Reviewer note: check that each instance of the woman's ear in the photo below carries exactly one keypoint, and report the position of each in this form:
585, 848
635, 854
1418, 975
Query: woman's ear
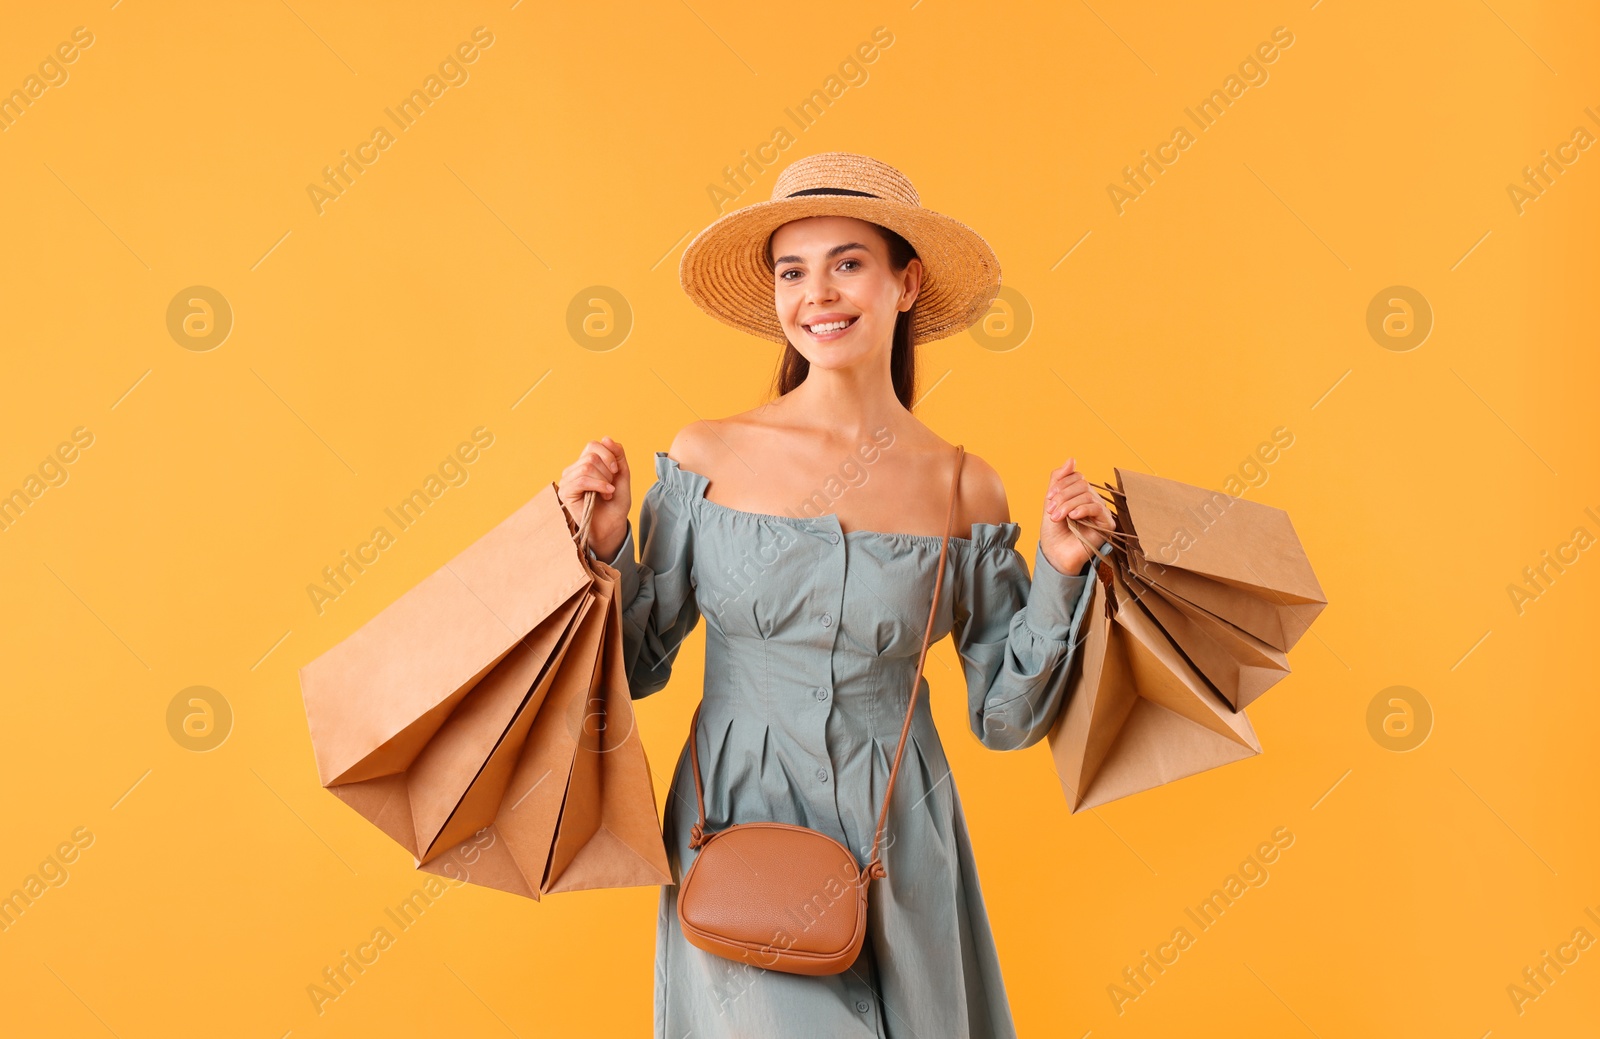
911, 283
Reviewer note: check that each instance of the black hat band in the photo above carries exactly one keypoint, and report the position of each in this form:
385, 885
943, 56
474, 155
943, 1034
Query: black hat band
830, 191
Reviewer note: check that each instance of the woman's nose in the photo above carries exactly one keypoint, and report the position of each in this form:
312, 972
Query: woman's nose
820, 289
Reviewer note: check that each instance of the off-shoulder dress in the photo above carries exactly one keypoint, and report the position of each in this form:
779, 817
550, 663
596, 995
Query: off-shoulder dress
812, 637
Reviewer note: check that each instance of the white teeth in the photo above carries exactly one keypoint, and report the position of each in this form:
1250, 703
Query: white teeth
831, 326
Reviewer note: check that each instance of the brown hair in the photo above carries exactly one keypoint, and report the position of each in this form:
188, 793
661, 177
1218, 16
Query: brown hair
793, 366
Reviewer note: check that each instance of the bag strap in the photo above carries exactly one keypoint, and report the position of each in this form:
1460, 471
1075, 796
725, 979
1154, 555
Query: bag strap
874, 867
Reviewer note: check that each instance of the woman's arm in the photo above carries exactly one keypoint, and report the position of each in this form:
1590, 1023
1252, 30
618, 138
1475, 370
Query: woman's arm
656, 592
1017, 639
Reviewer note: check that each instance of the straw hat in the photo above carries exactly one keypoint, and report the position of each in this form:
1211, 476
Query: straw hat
724, 270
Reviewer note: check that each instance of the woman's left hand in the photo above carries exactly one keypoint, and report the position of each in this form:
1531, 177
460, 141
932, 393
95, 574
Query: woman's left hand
1069, 496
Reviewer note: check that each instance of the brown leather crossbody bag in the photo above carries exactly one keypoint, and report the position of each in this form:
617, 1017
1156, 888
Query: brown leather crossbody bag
787, 897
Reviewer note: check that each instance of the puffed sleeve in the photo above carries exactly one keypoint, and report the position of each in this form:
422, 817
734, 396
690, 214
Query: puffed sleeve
657, 591
1016, 638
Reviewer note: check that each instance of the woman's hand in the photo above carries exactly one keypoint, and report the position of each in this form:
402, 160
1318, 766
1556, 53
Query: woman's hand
602, 467
1069, 496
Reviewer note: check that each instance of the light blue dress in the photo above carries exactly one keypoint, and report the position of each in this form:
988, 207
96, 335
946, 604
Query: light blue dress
812, 637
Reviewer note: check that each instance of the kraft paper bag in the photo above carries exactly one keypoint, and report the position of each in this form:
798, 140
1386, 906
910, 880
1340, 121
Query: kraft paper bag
1237, 560
1237, 664
483, 719
1137, 714
1173, 650
605, 841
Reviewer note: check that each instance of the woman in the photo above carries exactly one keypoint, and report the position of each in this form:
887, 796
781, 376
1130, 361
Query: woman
816, 592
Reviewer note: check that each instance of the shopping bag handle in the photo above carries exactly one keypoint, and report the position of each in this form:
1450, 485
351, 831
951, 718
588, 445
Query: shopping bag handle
1118, 538
581, 537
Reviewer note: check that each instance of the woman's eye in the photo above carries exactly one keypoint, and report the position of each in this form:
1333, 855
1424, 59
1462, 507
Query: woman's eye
843, 262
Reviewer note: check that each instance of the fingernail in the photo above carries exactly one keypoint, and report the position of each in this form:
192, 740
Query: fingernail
610, 487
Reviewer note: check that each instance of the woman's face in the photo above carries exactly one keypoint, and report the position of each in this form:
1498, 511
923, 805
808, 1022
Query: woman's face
830, 270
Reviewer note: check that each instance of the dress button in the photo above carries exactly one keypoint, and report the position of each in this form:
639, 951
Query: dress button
863, 1006
822, 694
833, 537
822, 775
827, 619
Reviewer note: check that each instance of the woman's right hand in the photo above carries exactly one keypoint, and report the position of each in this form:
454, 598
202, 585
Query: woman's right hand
603, 468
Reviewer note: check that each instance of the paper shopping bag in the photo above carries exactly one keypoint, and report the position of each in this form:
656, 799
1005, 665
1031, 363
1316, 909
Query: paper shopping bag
1239, 666
483, 719
571, 814
1238, 560
1137, 715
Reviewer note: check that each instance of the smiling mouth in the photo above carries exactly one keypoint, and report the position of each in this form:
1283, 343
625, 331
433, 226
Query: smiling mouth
829, 327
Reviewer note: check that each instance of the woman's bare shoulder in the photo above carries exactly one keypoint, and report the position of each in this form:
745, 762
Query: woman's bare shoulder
983, 493
697, 446
707, 447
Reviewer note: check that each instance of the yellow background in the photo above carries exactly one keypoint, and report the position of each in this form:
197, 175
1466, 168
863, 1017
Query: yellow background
369, 339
